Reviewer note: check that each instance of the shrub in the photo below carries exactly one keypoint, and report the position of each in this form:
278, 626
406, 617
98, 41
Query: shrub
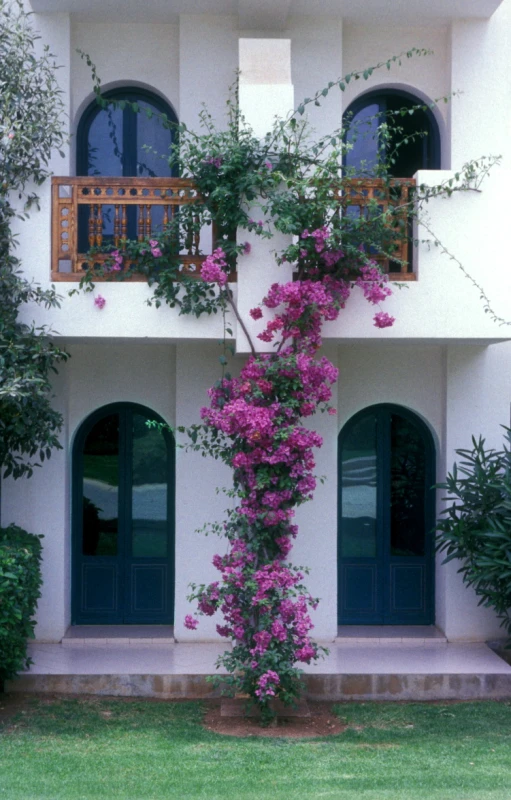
477, 524
20, 581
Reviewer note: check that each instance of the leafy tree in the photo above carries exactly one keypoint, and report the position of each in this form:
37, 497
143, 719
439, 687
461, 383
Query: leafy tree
30, 129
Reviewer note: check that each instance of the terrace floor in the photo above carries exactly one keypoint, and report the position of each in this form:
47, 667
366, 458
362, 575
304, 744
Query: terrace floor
422, 666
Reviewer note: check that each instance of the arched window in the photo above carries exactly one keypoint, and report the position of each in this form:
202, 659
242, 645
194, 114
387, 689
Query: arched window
113, 141
119, 141
419, 135
386, 519
123, 519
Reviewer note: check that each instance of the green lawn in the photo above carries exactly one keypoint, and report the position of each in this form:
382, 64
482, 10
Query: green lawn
106, 748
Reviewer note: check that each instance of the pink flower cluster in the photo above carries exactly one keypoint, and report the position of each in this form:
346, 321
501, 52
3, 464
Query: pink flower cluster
215, 161
118, 259
267, 683
306, 306
330, 255
213, 268
374, 285
155, 248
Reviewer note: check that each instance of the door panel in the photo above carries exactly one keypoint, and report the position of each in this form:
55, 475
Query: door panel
386, 517
360, 596
407, 590
100, 589
123, 538
148, 589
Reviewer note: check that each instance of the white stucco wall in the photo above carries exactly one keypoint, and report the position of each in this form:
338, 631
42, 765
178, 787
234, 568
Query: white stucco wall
94, 376
458, 388
453, 390
426, 76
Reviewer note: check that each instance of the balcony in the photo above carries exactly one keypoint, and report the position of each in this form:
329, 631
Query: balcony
94, 212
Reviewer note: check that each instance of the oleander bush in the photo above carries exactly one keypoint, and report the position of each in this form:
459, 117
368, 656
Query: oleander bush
20, 582
476, 527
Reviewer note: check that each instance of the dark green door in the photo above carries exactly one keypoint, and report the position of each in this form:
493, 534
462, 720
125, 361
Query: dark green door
386, 519
123, 519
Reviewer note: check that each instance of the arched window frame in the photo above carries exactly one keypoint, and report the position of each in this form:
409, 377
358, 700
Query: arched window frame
431, 142
132, 94
82, 432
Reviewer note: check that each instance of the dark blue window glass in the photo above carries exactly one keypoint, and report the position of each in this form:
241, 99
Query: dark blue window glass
413, 142
117, 141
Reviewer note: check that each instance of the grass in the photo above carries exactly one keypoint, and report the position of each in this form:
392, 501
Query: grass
105, 748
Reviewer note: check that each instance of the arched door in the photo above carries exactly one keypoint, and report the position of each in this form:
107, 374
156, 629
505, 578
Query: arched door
123, 519
386, 519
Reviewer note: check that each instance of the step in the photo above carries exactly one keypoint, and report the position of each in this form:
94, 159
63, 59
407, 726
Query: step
118, 635
389, 634
358, 672
341, 687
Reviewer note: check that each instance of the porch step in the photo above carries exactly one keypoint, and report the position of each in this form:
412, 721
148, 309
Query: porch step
118, 635
389, 634
439, 672
341, 687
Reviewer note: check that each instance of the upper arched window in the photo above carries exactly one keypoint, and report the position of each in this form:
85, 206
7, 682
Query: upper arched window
416, 145
119, 141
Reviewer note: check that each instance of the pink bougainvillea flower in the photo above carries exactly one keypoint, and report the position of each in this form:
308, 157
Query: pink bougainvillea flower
118, 261
213, 268
247, 247
215, 161
190, 622
383, 320
99, 301
256, 313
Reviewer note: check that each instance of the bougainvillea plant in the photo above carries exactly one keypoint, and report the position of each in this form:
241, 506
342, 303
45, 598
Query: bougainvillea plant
254, 423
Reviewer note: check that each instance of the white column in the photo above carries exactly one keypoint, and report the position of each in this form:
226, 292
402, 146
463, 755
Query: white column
197, 479
481, 115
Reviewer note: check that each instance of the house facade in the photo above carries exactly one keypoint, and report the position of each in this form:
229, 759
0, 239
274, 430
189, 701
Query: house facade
120, 506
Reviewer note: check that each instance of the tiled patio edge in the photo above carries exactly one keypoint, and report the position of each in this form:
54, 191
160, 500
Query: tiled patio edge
318, 687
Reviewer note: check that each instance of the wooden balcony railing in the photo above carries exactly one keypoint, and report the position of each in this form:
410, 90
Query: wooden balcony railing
355, 197
90, 212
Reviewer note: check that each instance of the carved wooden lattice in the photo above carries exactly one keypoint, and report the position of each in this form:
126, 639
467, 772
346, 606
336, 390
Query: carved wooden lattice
125, 203
122, 198
357, 195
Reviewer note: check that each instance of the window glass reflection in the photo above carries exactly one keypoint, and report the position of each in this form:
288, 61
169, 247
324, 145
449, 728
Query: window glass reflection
359, 490
101, 488
149, 492
407, 489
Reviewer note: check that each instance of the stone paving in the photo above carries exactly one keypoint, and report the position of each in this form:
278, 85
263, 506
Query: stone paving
411, 669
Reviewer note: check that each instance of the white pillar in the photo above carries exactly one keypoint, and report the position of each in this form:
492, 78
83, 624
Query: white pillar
481, 115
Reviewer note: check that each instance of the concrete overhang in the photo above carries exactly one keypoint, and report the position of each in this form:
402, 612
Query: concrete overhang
273, 14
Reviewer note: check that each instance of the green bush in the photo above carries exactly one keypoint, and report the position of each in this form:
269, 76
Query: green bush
20, 581
477, 524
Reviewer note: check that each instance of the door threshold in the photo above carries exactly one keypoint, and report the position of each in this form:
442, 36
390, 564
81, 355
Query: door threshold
103, 635
390, 634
